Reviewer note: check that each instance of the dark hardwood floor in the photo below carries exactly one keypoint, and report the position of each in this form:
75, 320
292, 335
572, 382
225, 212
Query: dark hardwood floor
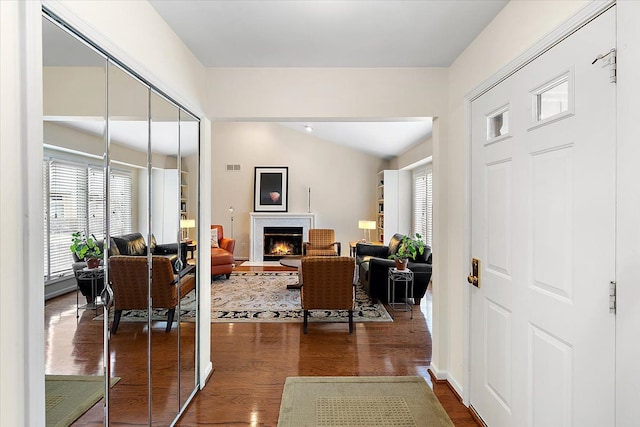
251, 362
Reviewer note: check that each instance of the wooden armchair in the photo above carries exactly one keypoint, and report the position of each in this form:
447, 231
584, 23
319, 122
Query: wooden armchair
129, 275
322, 242
328, 285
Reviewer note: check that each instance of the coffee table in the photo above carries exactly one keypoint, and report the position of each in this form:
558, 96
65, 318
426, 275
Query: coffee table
295, 262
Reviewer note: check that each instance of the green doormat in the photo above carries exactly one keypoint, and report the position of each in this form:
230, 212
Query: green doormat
360, 402
69, 396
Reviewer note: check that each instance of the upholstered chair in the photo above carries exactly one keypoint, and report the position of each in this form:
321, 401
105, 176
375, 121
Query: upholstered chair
322, 242
128, 276
328, 285
374, 263
221, 252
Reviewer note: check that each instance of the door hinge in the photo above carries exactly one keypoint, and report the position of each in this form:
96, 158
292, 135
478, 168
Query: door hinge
612, 297
611, 57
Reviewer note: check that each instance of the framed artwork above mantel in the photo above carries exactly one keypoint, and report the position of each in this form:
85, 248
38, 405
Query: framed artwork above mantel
271, 189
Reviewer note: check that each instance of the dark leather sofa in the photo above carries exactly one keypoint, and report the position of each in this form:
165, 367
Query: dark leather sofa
373, 267
131, 244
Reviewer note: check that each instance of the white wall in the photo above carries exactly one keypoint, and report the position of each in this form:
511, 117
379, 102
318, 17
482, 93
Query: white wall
21, 286
133, 32
628, 249
415, 154
241, 93
517, 27
342, 180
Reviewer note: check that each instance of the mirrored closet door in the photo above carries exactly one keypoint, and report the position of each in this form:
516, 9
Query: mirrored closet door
138, 153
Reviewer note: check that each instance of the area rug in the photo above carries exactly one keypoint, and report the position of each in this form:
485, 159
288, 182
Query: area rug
67, 397
263, 297
360, 402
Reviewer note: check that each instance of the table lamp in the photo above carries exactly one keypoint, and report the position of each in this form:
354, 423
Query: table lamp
366, 226
185, 224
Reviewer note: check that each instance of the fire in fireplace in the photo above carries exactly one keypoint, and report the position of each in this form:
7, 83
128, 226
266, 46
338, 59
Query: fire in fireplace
282, 241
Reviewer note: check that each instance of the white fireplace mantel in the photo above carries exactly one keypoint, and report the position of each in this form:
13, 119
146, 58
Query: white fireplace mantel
259, 220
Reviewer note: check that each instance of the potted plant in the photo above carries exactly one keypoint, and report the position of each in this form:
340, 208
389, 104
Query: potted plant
409, 249
86, 248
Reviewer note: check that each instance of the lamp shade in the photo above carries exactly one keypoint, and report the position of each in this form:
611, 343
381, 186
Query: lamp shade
366, 225
187, 223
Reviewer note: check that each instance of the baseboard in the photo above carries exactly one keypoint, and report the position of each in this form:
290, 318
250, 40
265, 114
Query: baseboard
436, 373
443, 377
208, 370
444, 381
476, 417
60, 287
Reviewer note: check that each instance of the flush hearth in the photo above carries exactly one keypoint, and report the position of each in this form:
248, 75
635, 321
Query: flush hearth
282, 241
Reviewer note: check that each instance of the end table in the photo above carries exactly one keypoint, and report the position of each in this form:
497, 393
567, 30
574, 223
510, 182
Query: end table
404, 277
93, 274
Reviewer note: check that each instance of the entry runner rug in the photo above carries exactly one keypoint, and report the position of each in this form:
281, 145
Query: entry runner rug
263, 297
67, 397
360, 402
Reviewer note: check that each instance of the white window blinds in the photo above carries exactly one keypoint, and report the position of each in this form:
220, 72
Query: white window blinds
423, 203
74, 201
121, 205
67, 212
96, 201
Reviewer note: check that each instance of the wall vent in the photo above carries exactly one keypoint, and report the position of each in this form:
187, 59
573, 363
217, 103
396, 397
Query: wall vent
233, 168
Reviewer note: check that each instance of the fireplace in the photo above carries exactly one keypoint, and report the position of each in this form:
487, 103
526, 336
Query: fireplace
260, 220
281, 241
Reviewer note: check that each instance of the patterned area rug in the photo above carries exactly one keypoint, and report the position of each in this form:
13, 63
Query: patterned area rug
263, 297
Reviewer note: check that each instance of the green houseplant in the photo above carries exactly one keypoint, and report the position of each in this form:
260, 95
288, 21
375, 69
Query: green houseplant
409, 248
86, 248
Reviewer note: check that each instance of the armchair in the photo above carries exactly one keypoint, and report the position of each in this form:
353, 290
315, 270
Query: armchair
129, 279
221, 253
131, 244
322, 242
373, 267
328, 285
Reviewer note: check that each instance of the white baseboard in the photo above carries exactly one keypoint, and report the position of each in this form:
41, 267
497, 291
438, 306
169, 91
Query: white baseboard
441, 375
205, 374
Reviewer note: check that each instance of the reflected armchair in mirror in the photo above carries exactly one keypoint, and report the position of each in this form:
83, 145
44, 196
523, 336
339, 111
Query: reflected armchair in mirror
128, 279
129, 244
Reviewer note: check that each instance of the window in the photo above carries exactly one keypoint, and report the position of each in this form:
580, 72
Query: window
423, 203
74, 200
498, 123
121, 203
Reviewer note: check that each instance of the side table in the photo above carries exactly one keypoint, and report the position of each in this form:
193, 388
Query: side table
93, 274
191, 248
404, 277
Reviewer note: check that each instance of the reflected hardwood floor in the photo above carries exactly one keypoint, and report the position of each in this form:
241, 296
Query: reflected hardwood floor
251, 362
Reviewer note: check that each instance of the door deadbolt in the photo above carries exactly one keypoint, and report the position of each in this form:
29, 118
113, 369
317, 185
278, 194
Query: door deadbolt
474, 277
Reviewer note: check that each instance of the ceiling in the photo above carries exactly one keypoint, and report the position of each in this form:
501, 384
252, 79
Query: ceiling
333, 33
381, 139
317, 33
327, 33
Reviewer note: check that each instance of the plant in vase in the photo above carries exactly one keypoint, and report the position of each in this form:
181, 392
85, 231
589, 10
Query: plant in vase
409, 248
86, 248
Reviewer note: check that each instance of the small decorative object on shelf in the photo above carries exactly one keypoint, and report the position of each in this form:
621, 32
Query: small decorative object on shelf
86, 248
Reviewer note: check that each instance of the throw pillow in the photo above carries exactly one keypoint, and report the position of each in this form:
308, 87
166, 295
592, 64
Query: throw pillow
214, 238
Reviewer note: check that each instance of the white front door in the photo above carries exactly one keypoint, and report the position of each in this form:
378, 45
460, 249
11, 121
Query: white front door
543, 227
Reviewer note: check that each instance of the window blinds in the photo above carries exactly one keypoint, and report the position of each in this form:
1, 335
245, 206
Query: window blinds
423, 203
73, 200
